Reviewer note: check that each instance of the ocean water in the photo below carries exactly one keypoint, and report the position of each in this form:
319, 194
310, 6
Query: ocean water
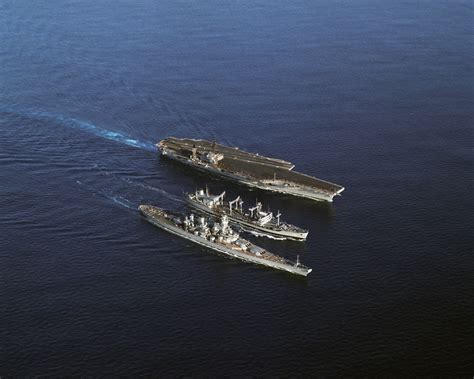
374, 95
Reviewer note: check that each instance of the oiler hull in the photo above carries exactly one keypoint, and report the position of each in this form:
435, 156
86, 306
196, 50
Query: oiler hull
250, 226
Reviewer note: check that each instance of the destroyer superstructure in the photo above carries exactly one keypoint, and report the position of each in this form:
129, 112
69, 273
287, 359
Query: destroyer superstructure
254, 219
219, 236
246, 168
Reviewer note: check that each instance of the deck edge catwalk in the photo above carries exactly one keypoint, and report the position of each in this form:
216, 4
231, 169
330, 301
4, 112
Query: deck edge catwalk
250, 169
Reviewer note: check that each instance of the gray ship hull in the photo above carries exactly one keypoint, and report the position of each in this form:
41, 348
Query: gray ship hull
248, 226
298, 270
266, 184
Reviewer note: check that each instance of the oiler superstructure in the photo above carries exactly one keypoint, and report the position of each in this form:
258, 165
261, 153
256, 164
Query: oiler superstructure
253, 219
250, 169
219, 236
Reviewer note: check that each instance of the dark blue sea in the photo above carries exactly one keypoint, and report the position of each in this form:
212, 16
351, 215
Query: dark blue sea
377, 96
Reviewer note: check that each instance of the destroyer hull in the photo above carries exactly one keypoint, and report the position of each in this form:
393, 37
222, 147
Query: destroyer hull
248, 226
286, 189
224, 250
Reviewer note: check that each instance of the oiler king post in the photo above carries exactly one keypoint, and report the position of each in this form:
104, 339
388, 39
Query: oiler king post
254, 220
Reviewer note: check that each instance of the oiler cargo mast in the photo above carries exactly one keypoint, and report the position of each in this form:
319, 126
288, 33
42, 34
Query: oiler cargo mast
253, 220
251, 169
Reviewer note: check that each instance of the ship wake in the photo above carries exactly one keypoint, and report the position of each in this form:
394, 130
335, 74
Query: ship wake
86, 126
31, 138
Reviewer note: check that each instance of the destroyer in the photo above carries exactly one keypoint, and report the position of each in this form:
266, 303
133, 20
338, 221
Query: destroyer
255, 219
246, 168
220, 237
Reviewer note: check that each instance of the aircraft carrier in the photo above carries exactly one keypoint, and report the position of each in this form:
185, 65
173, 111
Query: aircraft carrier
251, 169
219, 236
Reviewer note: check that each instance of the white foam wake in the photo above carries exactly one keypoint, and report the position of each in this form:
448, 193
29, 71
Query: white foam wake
84, 125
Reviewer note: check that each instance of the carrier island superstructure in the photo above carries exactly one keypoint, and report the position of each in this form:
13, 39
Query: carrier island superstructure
219, 236
250, 169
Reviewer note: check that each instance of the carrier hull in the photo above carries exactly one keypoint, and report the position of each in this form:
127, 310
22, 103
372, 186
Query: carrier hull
251, 170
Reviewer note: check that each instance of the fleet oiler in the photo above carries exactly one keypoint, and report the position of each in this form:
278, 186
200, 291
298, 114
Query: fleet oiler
254, 220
